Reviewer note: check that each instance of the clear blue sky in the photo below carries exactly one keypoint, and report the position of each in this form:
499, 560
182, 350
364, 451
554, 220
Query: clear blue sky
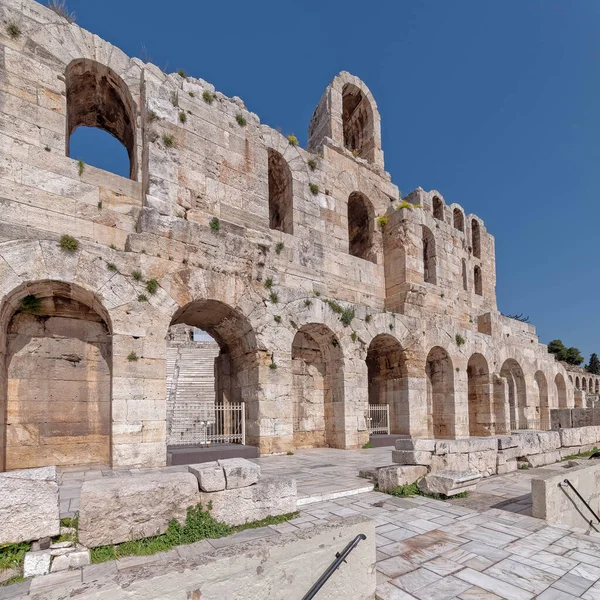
495, 104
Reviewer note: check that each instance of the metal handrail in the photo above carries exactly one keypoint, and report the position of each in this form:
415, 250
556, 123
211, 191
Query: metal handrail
567, 482
340, 557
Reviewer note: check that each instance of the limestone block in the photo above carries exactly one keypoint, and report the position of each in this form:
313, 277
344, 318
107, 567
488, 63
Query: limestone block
544, 458
29, 507
73, 560
416, 445
549, 440
507, 441
449, 483
508, 467
130, 508
570, 437
590, 435
511, 453
271, 496
389, 478
211, 476
239, 472
463, 446
409, 457
482, 462
453, 462
36, 563
529, 443
369, 473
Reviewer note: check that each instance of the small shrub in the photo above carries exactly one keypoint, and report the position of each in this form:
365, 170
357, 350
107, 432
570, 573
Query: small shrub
142, 298
312, 163
307, 302
279, 247
354, 336
168, 141
347, 315
175, 99
241, 121
208, 97
60, 8
368, 318
277, 319
68, 243
191, 94
181, 73
367, 446
100, 205
335, 307
132, 356
137, 275
293, 140
80, 167
460, 340
335, 343
13, 30
290, 453
314, 189
215, 224
111, 267
152, 286
355, 153
13, 555
524, 467
30, 304
382, 221
182, 117
274, 297
273, 366
405, 204
269, 283
152, 116
112, 247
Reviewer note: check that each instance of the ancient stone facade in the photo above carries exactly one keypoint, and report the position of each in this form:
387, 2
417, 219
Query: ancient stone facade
324, 289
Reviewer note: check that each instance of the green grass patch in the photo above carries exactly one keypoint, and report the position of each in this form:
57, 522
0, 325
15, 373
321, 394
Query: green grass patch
13, 555
405, 491
581, 454
199, 525
367, 446
68, 243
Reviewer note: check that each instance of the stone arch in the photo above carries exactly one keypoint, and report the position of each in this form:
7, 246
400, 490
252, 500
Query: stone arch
516, 392
388, 383
478, 280
475, 238
459, 219
98, 97
237, 367
570, 379
440, 394
281, 204
561, 390
357, 122
317, 387
480, 403
360, 227
577, 384
429, 256
465, 277
542, 405
438, 208
55, 404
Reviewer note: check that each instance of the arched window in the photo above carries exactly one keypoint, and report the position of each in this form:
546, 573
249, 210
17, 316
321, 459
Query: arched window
360, 227
98, 97
357, 122
475, 238
459, 220
429, 257
478, 280
464, 275
281, 206
438, 208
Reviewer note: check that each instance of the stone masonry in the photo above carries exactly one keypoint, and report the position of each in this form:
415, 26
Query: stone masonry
324, 288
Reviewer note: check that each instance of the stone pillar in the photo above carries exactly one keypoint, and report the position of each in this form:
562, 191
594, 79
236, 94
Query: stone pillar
461, 403
500, 405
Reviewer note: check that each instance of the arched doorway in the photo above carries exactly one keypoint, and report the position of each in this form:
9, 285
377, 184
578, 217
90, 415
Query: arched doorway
317, 388
480, 408
192, 413
517, 398
440, 394
357, 122
561, 390
360, 227
56, 401
386, 366
542, 406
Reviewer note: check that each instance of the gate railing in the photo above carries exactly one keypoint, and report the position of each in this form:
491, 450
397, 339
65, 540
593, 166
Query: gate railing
218, 424
378, 419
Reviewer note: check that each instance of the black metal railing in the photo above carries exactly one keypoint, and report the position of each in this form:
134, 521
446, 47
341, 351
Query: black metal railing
591, 521
340, 557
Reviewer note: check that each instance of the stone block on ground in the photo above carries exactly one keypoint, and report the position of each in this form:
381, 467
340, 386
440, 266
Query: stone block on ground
451, 462
211, 476
270, 497
507, 441
449, 483
36, 563
409, 457
131, 508
415, 445
465, 446
545, 458
389, 478
508, 467
239, 472
29, 507
73, 560
368, 473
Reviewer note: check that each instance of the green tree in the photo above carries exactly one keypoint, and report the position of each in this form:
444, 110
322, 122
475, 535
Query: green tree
557, 348
594, 366
571, 355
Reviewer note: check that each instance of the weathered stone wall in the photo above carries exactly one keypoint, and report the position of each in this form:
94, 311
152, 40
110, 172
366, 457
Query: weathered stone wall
296, 247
